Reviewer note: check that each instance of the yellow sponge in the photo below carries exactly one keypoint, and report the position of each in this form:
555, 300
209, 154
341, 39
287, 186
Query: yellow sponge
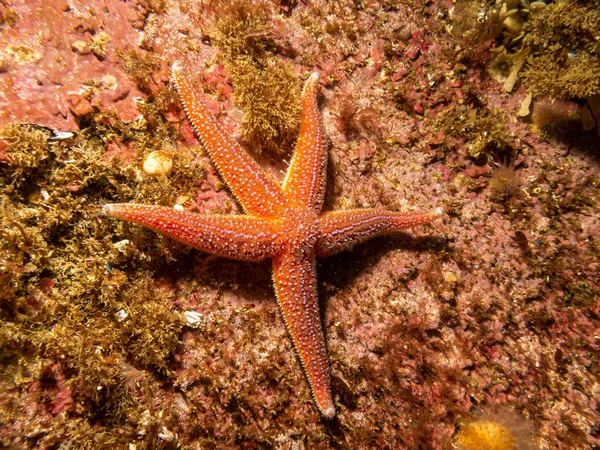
486, 435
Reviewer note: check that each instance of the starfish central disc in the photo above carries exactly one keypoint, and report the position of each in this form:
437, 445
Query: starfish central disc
299, 230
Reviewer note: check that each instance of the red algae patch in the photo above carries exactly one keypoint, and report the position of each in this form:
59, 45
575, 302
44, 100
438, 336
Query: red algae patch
52, 51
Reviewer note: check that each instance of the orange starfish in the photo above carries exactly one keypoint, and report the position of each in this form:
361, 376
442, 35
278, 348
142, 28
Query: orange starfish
284, 223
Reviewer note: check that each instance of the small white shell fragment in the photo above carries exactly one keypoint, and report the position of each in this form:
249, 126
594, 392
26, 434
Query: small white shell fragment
61, 136
122, 244
167, 435
121, 315
158, 163
193, 319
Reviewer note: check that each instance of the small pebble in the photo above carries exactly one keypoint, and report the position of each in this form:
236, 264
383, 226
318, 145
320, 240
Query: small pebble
80, 47
158, 164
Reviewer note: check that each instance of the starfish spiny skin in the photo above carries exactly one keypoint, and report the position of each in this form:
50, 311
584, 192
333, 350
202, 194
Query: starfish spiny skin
283, 223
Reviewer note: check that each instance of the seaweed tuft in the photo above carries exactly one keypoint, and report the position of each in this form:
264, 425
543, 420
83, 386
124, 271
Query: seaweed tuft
563, 75
266, 88
25, 151
484, 130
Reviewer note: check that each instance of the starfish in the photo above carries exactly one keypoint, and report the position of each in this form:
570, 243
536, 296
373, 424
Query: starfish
282, 222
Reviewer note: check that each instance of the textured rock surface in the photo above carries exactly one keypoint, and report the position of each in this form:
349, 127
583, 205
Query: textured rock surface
497, 305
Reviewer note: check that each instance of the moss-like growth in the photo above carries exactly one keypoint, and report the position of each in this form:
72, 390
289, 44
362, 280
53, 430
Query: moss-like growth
83, 326
269, 96
26, 150
563, 76
483, 129
242, 28
559, 38
570, 25
565, 61
475, 21
266, 88
151, 328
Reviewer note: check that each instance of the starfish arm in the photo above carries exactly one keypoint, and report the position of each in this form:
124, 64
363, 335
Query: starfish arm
342, 230
304, 183
295, 280
244, 238
258, 193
